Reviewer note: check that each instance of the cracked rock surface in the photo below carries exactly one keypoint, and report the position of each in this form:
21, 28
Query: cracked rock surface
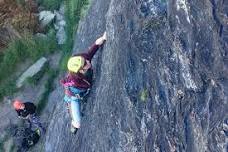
160, 81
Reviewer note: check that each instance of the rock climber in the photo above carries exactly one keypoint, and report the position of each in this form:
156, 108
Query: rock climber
79, 80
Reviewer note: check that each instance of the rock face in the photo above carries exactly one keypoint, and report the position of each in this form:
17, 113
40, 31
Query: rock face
160, 80
31, 71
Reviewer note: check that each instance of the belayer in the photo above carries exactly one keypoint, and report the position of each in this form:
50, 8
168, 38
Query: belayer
27, 111
30, 135
78, 81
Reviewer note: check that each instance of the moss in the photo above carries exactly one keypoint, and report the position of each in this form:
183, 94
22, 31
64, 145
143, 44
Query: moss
154, 23
144, 95
50, 4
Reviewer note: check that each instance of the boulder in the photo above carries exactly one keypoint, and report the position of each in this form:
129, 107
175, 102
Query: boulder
45, 17
31, 71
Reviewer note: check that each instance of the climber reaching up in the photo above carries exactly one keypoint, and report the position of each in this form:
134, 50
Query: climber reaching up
79, 80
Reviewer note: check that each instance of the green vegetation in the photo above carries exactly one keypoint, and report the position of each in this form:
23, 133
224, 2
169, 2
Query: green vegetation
50, 4
7, 88
154, 23
29, 46
144, 95
74, 10
20, 2
26, 47
73, 13
33, 47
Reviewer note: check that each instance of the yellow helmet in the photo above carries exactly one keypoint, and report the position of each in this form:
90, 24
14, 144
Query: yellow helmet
75, 63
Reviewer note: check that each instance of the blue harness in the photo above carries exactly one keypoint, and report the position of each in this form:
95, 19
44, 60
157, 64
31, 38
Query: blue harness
78, 94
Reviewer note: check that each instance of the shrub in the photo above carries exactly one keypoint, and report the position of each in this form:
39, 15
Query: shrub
19, 50
50, 4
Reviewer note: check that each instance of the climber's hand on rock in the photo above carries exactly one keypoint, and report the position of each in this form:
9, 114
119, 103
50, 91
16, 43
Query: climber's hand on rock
105, 36
101, 39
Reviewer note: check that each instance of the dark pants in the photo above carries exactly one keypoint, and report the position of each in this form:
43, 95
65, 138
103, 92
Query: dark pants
35, 123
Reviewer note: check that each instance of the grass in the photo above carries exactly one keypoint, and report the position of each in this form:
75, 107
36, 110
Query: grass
52, 74
7, 88
75, 10
19, 50
50, 4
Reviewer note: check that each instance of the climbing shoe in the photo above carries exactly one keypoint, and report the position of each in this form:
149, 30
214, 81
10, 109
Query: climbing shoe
73, 130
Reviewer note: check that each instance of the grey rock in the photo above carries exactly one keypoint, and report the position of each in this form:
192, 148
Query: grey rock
59, 16
31, 71
45, 17
62, 23
61, 35
59, 25
172, 49
62, 9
